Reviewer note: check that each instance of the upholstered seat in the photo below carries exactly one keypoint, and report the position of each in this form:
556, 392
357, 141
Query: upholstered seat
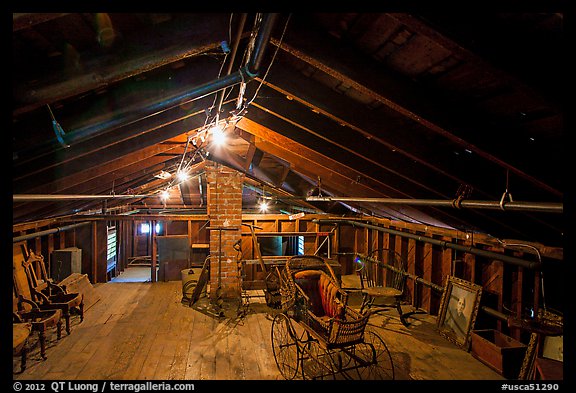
41, 290
26, 311
20, 333
323, 293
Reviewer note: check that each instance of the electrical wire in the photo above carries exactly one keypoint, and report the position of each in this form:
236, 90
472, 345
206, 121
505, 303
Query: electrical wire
271, 61
539, 260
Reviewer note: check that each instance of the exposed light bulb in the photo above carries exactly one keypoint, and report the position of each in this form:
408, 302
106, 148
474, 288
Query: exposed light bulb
218, 135
182, 176
263, 206
164, 195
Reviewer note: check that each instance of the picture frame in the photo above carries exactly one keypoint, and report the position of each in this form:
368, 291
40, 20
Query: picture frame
458, 310
552, 346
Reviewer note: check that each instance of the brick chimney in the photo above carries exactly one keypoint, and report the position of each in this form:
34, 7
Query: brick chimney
224, 210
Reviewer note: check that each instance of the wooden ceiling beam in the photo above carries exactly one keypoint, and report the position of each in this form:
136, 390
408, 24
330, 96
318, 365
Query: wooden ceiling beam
113, 152
321, 136
341, 63
370, 124
312, 164
177, 43
138, 159
25, 20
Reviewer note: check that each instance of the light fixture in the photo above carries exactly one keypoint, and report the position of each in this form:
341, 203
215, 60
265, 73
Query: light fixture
263, 206
164, 195
163, 175
182, 176
218, 135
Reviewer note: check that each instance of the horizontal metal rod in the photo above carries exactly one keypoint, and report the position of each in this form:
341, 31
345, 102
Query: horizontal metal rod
67, 197
444, 244
272, 234
48, 231
414, 277
471, 204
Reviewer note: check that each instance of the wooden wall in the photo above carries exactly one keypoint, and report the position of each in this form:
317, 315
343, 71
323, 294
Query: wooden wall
507, 288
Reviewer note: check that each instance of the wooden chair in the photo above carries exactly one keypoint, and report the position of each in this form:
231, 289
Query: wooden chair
20, 333
383, 281
45, 293
26, 311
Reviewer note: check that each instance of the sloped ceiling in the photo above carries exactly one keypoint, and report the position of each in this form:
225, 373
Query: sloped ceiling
426, 107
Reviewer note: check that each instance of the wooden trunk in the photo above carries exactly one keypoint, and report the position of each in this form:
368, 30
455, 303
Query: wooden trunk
498, 351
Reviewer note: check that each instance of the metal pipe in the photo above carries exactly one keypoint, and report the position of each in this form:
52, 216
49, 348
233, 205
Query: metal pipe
472, 204
247, 73
67, 197
264, 33
414, 277
232, 57
444, 244
48, 231
495, 313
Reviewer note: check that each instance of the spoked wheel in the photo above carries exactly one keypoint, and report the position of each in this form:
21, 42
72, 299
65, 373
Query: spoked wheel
285, 346
375, 359
317, 362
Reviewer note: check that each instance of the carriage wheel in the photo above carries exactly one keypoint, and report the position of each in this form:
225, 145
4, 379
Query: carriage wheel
285, 346
376, 359
317, 362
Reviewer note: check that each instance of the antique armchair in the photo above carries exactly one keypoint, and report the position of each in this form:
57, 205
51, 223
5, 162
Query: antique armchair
27, 311
383, 281
20, 333
42, 291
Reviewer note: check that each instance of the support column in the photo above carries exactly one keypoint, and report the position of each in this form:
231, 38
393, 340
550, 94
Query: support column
224, 208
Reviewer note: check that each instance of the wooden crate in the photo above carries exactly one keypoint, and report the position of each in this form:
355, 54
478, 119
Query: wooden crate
498, 351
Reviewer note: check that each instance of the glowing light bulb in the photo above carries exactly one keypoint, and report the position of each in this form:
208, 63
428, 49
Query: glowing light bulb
218, 135
164, 195
182, 176
263, 206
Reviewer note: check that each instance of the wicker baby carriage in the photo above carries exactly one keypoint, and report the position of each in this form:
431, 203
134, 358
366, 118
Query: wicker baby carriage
318, 333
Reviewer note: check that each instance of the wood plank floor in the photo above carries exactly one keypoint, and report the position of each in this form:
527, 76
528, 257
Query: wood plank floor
143, 331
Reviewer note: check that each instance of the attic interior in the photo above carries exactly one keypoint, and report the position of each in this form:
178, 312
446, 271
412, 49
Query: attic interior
233, 144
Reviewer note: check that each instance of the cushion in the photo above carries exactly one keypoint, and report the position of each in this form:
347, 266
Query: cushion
307, 280
331, 301
21, 331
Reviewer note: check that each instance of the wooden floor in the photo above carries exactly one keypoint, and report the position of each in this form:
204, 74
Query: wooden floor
143, 331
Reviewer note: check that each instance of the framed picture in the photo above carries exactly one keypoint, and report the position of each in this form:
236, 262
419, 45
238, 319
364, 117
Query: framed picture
458, 310
552, 345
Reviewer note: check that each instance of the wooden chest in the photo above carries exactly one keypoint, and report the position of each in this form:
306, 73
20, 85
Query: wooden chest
498, 351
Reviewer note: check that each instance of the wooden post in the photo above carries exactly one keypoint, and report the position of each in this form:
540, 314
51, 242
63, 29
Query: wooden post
446, 259
470, 267
427, 276
38, 245
517, 300
95, 251
411, 269
153, 277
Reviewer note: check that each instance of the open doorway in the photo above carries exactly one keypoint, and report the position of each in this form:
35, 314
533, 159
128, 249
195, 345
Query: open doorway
139, 267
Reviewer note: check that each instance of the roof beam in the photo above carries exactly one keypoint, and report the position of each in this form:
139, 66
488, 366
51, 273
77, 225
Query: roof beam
341, 63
